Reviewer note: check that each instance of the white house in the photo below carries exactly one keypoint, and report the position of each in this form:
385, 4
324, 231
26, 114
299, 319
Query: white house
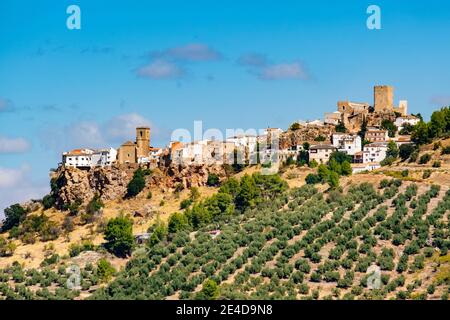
86, 158
361, 167
374, 152
400, 121
103, 157
249, 142
78, 158
321, 152
348, 143
155, 153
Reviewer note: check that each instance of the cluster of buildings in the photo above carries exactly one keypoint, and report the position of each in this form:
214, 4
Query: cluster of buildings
366, 152
353, 116
139, 151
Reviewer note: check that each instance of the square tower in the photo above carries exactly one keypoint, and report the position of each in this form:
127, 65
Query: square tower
383, 98
143, 141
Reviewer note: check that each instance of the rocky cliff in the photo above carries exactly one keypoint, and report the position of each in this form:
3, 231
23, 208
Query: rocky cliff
72, 184
297, 137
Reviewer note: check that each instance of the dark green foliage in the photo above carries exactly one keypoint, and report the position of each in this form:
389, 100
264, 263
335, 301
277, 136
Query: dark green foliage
14, 215
425, 158
392, 150
436, 164
426, 174
136, 184
303, 157
319, 138
389, 126
445, 150
119, 236
405, 151
341, 128
177, 221
186, 203
312, 178
48, 201
213, 180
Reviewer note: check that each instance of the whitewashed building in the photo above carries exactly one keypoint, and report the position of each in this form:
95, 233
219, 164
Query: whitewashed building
78, 158
86, 158
321, 152
348, 143
103, 157
401, 121
375, 152
362, 167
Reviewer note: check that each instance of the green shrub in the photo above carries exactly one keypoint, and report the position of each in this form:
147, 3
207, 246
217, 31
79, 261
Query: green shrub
405, 151
445, 150
425, 158
213, 180
185, 203
48, 201
436, 164
312, 178
105, 270
426, 174
210, 291
119, 236
136, 184
14, 215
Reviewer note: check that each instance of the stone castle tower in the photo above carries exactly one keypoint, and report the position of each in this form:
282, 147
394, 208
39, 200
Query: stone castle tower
383, 98
142, 141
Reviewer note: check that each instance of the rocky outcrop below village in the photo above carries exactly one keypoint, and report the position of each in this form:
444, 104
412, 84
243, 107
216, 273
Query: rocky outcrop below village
81, 185
307, 133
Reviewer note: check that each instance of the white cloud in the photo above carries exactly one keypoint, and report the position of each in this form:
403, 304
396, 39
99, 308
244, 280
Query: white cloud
86, 134
281, 71
14, 145
160, 70
91, 134
123, 127
193, 52
10, 177
170, 63
16, 186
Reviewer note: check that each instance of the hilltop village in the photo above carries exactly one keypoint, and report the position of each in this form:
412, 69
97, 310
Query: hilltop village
361, 130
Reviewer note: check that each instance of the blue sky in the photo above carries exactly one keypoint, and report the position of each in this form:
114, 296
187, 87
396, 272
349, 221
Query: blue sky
235, 64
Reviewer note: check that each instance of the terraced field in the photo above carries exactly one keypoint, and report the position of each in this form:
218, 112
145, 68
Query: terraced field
300, 244
307, 245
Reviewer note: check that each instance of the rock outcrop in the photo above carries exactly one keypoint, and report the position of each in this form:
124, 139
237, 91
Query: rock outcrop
111, 182
307, 133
